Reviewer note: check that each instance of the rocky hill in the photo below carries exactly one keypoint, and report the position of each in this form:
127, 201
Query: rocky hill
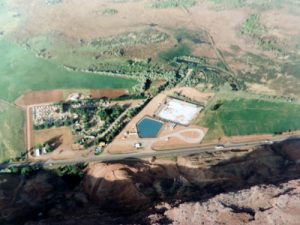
254, 186
264, 204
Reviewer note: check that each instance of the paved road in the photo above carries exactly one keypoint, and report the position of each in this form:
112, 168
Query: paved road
142, 155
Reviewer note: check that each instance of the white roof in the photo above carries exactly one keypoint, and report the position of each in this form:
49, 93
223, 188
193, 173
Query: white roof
179, 111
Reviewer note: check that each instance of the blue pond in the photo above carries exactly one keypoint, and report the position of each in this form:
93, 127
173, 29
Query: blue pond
149, 128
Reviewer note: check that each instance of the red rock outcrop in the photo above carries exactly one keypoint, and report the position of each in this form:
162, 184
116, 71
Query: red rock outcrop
265, 204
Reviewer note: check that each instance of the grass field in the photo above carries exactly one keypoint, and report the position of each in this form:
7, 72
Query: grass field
251, 116
21, 71
11, 131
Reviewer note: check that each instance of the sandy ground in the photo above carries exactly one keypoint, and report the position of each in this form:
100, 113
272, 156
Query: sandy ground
193, 93
29, 129
280, 23
85, 21
262, 89
63, 134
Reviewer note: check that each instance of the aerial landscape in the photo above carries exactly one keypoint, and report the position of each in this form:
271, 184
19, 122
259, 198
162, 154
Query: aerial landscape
178, 112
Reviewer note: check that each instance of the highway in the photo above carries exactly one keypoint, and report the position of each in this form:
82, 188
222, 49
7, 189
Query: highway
143, 155
148, 154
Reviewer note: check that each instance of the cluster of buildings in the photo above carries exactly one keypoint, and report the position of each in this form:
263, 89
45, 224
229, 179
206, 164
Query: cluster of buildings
40, 151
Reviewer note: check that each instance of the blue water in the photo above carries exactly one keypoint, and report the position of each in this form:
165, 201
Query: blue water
149, 128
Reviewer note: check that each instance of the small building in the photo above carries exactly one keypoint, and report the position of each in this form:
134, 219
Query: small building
44, 151
102, 144
138, 145
98, 150
74, 97
37, 152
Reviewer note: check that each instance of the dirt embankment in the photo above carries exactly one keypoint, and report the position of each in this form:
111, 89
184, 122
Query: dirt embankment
256, 186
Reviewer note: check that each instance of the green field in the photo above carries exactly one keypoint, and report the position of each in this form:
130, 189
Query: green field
22, 71
251, 116
11, 132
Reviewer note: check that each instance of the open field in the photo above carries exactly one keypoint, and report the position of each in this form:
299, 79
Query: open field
21, 71
49, 32
62, 135
12, 140
250, 116
39, 97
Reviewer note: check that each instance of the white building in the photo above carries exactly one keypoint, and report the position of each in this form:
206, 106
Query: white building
37, 152
179, 112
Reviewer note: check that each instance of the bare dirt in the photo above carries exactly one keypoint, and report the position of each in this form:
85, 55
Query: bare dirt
261, 89
107, 93
281, 24
62, 135
39, 97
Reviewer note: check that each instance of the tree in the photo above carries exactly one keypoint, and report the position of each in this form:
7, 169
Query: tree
25, 171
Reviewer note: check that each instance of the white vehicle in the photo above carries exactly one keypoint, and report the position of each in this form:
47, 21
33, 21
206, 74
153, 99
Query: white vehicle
219, 147
268, 142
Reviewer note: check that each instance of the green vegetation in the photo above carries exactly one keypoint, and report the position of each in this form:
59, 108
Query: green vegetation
291, 69
12, 140
74, 170
197, 37
254, 29
21, 71
172, 3
251, 116
110, 114
180, 50
109, 12
212, 75
235, 48
252, 26
127, 39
